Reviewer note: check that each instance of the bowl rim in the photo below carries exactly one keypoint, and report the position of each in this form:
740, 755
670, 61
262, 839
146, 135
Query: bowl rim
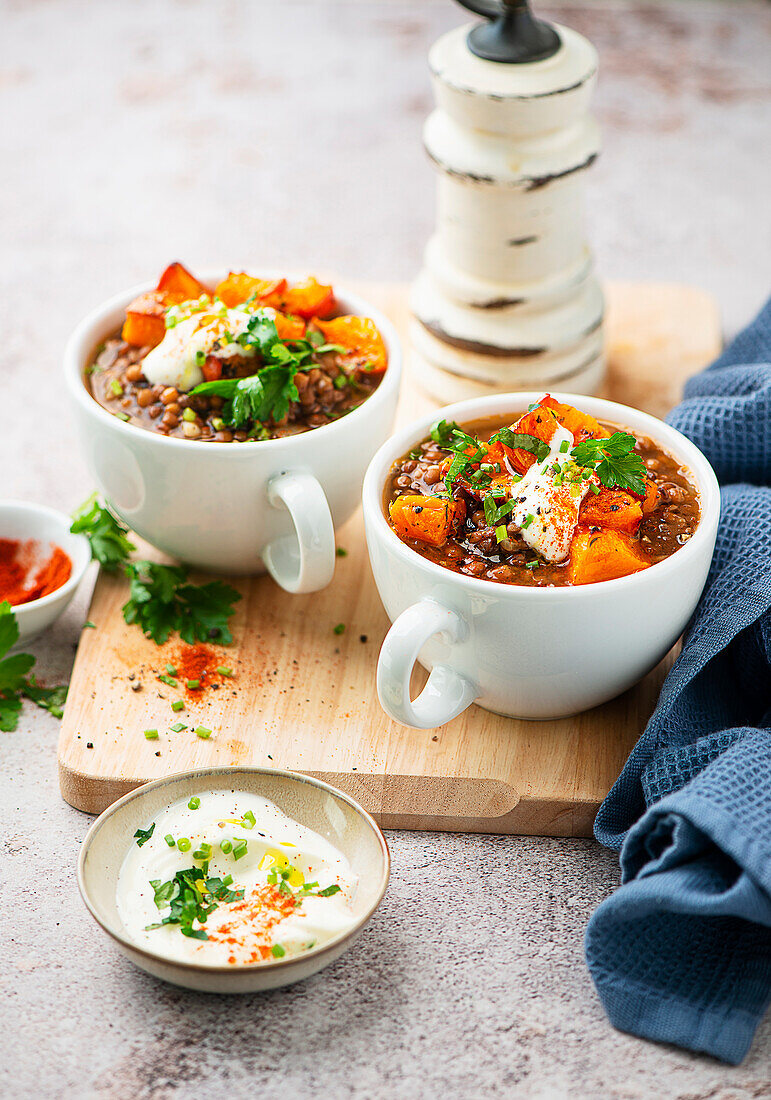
200, 774
78, 571
91, 328
682, 448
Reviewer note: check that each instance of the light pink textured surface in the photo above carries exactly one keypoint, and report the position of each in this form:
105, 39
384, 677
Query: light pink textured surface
288, 133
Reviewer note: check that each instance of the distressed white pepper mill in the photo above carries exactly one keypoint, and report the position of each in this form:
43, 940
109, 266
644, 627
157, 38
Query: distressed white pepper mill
507, 298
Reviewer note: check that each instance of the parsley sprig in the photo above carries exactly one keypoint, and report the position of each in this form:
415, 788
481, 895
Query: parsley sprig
17, 680
161, 597
268, 393
192, 895
614, 461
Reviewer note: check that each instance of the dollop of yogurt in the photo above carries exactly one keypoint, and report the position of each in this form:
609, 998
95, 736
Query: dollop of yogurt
548, 500
281, 869
178, 359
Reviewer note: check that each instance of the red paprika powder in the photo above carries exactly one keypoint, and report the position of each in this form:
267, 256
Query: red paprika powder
18, 559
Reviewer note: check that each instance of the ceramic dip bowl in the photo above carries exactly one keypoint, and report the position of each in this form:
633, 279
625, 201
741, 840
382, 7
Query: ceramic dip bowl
308, 801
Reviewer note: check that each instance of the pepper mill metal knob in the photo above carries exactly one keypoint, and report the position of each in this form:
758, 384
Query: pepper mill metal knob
507, 298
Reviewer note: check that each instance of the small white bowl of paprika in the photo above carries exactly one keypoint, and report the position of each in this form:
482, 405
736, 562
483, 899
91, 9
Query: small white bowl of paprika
41, 564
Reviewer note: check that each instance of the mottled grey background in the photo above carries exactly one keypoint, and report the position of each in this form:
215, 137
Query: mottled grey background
288, 133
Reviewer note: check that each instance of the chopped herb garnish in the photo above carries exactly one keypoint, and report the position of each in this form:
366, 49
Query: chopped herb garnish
341, 553
339, 629
223, 670
170, 840
248, 820
168, 680
151, 735
193, 684
202, 732
177, 706
527, 520
532, 564
88, 625
501, 533
239, 849
177, 727
277, 951
614, 460
192, 896
521, 441
226, 846
108, 538
143, 835
564, 446
171, 670
194, 803
184, 844
115, 387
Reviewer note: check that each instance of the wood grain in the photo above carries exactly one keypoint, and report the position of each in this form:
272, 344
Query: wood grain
303, 697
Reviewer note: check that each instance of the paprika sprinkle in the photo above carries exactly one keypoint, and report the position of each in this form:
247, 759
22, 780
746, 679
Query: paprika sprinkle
17, 562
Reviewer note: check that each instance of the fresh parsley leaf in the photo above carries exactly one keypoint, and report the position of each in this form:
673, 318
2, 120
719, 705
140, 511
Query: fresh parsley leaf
161, 601
51, 699
14, 682
267, 393
443, 431
614, 461
191, 896
109, 544
143, 835
522, 441
328, 891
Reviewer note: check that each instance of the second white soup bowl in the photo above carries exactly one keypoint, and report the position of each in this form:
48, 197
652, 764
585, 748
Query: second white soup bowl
520, 651
234, 507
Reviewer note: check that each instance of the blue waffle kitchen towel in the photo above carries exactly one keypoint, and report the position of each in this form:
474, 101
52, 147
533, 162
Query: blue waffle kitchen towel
681, 952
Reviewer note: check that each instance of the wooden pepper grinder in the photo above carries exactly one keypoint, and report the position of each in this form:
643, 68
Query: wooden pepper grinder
507, 298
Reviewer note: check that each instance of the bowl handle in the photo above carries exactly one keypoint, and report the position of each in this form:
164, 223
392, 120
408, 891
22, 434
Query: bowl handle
446, 693
304, 563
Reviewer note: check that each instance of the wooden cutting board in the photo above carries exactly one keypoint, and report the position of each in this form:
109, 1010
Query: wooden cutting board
303, 697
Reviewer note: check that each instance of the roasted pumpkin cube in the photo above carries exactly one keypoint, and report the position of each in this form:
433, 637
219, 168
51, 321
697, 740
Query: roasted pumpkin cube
361, 339
176, 279
288, 328
428, 519
603, 556
543, 422
611, 508
651, 498
145, 324
240, 287
309, 299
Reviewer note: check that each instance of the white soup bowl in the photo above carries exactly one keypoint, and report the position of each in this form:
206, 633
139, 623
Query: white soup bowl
520, 651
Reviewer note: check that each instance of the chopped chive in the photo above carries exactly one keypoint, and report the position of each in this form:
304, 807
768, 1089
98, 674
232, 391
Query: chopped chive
115, 387
217, 423
248, 821
200, 357
122, 416
223, 670
170, 840
564, 446
88, 625
226, 846
177, 727
501, 533
531, 564
177, 706
277, 951
194, 803
168, 680
184, 844
339, 629
171, 670
227, 880
528, 520
188, 414
239, 849
204, 852
193, 683
202, 732
595, 489
151, 735
341, 553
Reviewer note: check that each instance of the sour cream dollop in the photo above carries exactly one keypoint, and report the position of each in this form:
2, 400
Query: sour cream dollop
271, 920
548, 501
178, 359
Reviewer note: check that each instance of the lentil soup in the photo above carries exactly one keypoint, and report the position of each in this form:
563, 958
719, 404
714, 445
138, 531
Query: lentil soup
554, 499
249, 359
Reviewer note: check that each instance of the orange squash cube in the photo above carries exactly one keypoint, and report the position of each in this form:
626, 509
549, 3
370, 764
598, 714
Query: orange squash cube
177, 280
240, 287
309, 299
361, 339
611, 508
428, 519
603, 556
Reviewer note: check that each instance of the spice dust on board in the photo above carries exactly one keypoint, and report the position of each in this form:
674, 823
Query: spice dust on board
200, 668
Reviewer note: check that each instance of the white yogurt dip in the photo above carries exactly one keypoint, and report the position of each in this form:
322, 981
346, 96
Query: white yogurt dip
291, 890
